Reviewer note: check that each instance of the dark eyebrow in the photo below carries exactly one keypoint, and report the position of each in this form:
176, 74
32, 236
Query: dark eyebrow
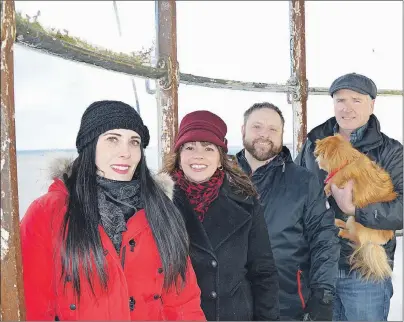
111, 133
205, 144
117, 134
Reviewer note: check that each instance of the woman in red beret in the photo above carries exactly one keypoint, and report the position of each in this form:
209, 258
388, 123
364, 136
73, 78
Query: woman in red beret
230, 249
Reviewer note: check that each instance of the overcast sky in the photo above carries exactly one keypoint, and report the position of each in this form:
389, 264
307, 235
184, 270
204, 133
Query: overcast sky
235, 40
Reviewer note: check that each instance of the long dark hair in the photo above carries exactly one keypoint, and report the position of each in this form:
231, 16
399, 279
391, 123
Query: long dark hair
82, 245
238, 180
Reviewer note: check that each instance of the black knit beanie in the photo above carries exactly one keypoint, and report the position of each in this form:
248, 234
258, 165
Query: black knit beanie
103, 116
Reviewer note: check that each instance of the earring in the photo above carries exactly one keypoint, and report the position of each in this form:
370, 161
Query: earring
220, 168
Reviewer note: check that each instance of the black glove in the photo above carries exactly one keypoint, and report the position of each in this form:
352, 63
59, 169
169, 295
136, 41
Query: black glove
320, 305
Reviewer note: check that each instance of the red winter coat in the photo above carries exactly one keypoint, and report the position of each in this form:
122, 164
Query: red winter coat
135, 276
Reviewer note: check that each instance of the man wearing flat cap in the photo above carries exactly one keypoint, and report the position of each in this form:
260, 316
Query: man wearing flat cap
354, 97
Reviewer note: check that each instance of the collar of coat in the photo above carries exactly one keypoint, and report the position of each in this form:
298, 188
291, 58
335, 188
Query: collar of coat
227, 190
230, 210
280, 160
371, 139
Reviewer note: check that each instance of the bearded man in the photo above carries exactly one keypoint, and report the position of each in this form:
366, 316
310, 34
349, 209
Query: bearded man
299, 220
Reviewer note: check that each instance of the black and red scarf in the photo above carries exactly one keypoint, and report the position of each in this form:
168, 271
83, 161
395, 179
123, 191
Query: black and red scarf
200, 195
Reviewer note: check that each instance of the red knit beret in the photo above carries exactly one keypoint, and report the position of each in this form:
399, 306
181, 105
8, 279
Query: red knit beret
202, 126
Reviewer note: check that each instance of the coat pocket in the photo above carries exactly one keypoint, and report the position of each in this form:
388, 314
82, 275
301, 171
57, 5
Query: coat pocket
235, 288
242, 302
66, 306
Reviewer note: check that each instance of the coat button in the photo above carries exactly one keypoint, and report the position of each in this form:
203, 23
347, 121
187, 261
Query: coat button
132, 303
213, 295
156, 296
132, 244
72, 307
213, 263
160, 270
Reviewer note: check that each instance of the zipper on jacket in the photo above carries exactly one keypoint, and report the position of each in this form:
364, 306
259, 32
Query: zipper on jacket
299, 287
123, 257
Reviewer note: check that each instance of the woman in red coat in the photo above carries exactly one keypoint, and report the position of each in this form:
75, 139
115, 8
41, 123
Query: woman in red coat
106, 242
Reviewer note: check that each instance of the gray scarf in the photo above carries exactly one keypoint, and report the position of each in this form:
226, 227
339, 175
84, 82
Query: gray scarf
117, 202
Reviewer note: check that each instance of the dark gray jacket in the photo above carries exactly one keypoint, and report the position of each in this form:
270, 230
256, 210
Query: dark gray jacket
301, 229
388, 153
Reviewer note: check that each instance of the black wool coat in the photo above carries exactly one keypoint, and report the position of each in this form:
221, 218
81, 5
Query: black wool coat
232, 258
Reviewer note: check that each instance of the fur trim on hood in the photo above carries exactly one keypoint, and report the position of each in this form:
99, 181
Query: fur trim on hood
60, 166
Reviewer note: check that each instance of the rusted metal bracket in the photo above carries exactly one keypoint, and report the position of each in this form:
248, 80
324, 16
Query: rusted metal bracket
166, 81
293, 95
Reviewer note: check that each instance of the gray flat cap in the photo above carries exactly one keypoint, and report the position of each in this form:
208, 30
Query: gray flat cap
356, 82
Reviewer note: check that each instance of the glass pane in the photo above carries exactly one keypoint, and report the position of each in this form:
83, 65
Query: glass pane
95, 21
230, 105
354, 36
50, 96
239, 40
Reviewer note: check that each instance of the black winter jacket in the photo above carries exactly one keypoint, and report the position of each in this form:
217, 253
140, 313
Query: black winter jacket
388, 153
301, 229
232, 258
